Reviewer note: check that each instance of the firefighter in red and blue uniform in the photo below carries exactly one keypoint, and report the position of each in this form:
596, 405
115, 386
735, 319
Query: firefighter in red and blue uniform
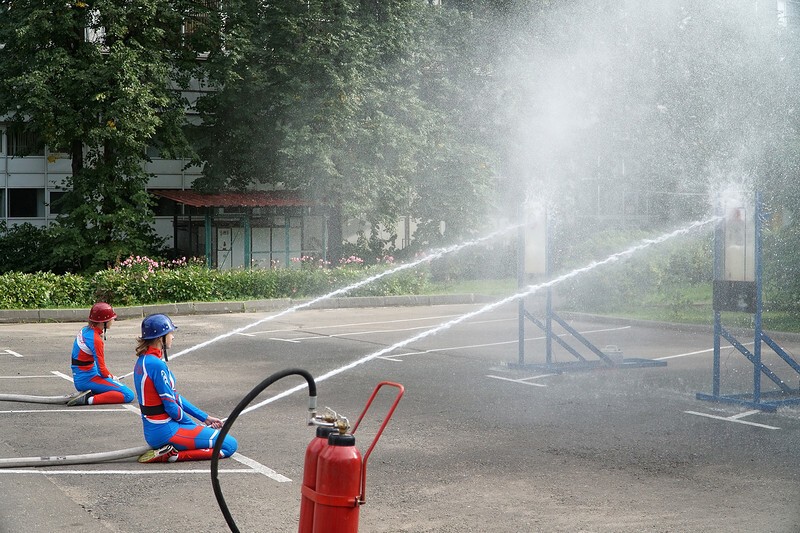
89, 373
168, 426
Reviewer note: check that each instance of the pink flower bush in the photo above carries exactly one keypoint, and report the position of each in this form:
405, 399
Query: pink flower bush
352, 260
141, 263
308, 261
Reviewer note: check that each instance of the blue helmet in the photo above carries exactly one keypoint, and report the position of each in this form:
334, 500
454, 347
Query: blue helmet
155, 326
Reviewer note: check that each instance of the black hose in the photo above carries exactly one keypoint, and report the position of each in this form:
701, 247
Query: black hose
226, 427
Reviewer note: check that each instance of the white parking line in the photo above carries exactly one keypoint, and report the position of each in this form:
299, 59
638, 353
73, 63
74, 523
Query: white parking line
733, 418
355, 334
261, 469
468, 346
252, 463
694, 353
254, 466
28, 377
363, 360
742, 415
399, 321
370, 332
10, 352
132, 408
523, 381
434, 350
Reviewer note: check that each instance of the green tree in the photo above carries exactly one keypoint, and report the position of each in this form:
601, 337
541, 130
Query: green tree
338, 99
99, 79
26, 248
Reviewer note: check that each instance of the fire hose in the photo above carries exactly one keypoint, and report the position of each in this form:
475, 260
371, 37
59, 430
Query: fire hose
81, 459
54, 400
55, 460
63, 399
226, 427
334, 477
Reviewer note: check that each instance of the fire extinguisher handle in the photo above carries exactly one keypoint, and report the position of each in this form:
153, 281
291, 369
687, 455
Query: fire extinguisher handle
400, 392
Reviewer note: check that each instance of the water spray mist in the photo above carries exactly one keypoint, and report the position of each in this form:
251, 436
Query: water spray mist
435, 254
526, 292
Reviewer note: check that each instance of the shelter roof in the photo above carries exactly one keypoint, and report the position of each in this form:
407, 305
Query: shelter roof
234, 199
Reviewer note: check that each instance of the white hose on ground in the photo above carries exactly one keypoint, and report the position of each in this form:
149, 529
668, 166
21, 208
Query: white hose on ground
36, 399
83, 459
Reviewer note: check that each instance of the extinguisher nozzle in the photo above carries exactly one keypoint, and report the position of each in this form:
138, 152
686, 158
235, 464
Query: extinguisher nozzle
312, 410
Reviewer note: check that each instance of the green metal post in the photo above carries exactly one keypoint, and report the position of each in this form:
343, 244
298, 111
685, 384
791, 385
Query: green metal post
286, 221
208, 237
248, 260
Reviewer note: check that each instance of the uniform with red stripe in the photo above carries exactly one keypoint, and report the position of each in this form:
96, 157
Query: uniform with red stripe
166, 415
89, 372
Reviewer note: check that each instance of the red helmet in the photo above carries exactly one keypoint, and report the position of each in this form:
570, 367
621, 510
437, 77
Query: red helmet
101, 312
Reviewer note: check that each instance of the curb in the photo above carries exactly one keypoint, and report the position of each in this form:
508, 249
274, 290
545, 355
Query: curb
11, 316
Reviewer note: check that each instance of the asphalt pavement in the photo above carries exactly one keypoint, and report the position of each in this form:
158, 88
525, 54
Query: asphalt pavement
476, 444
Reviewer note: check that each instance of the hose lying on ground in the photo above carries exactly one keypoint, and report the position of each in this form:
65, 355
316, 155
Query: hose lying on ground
82, 459
36, 399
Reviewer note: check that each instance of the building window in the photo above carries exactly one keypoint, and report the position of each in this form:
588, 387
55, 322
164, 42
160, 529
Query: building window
2, 203
153, 150
789, 13
55, 205
793, 12
199, 15
25, 203
2, 140
165, 207
22, 143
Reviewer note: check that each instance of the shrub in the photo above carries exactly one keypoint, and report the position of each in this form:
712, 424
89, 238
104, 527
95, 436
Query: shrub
782, 267
411, 281
495, 260
139, 280
142, 280
19, 290
650, 276
244, 284
26, 248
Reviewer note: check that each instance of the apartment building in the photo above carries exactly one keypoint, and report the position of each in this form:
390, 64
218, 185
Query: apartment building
257, 229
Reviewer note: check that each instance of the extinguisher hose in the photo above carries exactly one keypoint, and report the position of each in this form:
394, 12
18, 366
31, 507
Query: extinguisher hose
226, 427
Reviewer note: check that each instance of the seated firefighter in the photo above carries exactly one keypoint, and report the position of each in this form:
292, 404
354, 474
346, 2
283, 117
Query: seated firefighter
168, 428
94, 383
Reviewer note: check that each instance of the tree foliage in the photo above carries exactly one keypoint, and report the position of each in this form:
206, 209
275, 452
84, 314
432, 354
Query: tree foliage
344, 99
26, 248
97, 80
442, 111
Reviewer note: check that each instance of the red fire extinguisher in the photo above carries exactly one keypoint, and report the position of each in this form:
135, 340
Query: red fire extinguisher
338, 486
313, 451
341, 472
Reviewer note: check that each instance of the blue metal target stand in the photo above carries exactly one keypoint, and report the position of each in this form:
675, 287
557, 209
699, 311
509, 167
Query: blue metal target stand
533, 252
737, 288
